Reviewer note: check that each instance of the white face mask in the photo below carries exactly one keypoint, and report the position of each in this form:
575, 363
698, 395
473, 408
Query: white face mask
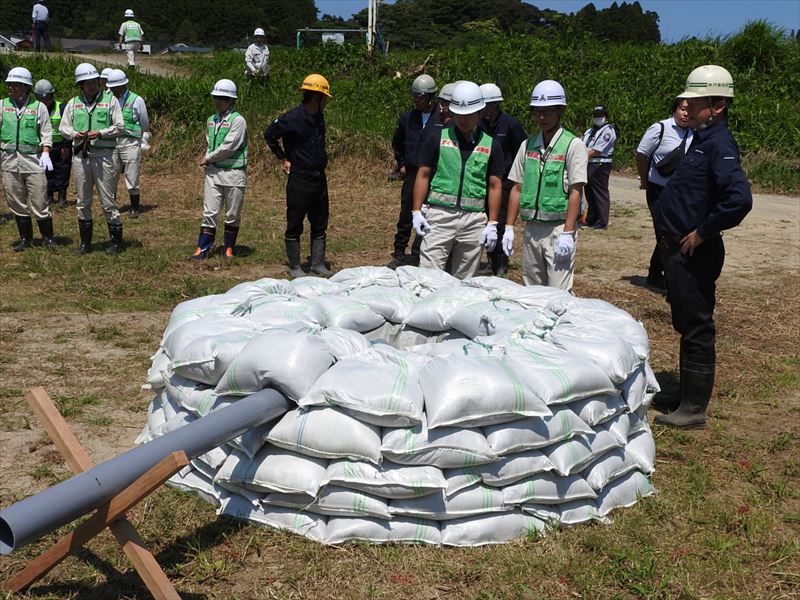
599, 121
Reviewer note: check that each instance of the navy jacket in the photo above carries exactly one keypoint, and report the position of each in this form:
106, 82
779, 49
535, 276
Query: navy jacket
709, 192
303, 137
409, 135
510, 134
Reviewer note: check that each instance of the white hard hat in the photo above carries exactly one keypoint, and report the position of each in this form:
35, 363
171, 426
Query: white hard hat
424, 84
117, 78
491, 93
446, 93
224, 88
708, 80
85, 72
467, 99
548, 93
19, 75
259, 31
105, 73
43, 87
129, 13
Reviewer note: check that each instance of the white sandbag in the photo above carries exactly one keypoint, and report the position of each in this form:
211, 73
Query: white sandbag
188, 332
634, 388
261, 288
653, 386
597, 343
205, 359
386, 481
283, 311
155, 416
158, 371
446, 447
560, 377
602, 441
306, 524
334, 501
534, 296
274, 470
289, 362
548, 488
491, 529
599, 409
197, 398
567, 514
342, 343
609, 467
399, 336
475, 500
619, 426
212, 460
362, 277
381, 388
536, 432
491, 283
457, 347
341, 311
638, 422
514, 467
642, 447
197, 483
311, 287
461, 479
198, 308
432, 312
489, 318
399, 530
471, 391
569, 457
327, 433
422, 281
623, 492
393, 303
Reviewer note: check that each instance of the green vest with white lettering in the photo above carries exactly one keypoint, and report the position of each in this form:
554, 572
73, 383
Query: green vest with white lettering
216, 136
55, 121
99, 118
132, 33
20, 134
459, 184
132, 128
543, 197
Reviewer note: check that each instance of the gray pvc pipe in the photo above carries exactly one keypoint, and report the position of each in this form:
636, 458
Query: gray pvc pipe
31, 518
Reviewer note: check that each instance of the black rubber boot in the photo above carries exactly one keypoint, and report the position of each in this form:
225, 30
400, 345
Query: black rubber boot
229, 240
133, 211
25, 228
697, 383
293, 257
62, 199
318, 266
85, 229
667, 402
205, 241
46, 229
50, 199
115, 243
398, 258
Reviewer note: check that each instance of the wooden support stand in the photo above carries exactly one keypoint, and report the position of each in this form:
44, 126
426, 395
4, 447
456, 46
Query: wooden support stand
111, 514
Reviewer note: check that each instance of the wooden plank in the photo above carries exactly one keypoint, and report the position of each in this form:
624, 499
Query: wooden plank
143, 561
104, 516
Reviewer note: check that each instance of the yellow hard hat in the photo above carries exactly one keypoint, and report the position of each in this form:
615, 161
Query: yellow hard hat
316, 83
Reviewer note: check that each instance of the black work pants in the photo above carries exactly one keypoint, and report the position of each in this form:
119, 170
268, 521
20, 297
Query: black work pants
652, 194
598, 198
691, 285
40, 34
497, 257
404, 220
306, 196
58, 178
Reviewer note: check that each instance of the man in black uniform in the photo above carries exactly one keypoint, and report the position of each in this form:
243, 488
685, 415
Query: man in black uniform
413, 127
707, 194
302, 132
510, 133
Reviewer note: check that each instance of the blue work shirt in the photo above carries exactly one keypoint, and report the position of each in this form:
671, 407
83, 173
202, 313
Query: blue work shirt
510, 134
410, 134
303, 137
709, 192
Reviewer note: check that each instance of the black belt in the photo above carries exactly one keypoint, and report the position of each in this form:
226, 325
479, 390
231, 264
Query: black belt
308, 174
668, 238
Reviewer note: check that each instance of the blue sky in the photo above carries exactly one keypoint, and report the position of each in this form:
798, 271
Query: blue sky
679, 18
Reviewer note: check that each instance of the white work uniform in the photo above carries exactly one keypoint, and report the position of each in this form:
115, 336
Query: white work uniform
453, 233
40, 13
256, 59
98, 169
128, 153
24, 180
224, 188
539, 240
131, 47
603, 141
656, 151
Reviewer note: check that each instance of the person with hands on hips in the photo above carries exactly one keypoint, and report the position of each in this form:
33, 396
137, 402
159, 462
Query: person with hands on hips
463, 169
25, 142
549, 173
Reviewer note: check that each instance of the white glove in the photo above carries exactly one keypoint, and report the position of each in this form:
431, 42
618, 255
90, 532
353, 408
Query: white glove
508, 241
45, 162
420, 224
489, 236
565, 247
424, 210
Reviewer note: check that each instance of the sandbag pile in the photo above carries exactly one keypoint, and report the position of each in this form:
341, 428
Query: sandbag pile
419, 408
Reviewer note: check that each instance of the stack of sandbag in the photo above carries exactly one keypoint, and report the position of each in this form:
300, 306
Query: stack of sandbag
419, 408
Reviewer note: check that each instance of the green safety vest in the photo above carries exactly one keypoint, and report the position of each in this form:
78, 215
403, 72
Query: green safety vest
20, 133
133, 32
543, 197
98, 118
460, 184
215, 138
132, 128
55, 121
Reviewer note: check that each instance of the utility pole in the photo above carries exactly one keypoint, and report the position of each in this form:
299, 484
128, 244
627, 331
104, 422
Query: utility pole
372, 26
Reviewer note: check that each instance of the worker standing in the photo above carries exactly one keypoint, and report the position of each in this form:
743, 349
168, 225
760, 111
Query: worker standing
256, 57
128, 153
132, 36
510, 133
599, 139
225, 167
463, 169
297, 138
41, 23
708, 194
412, 128
104, 78
93, 121
445, 96
60, 151
549, 173
25, 141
